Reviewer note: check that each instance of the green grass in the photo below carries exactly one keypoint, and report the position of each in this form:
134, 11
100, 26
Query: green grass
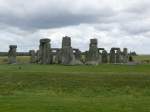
20, 59
141, 58
57, 88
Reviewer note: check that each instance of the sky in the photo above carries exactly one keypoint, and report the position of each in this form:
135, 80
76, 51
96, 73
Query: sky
115, 23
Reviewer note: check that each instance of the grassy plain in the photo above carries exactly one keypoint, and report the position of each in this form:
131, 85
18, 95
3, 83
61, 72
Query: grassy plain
141, 58
58, 88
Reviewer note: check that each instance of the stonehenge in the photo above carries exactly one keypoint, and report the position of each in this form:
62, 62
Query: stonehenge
118, 56
44, 51
104, 56
67, 55
12, 54
125, 55
58, 56
112, 56
78, 56
93, 56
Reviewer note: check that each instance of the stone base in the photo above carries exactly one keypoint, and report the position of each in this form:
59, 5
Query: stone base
74, 62
92, 63
132, 63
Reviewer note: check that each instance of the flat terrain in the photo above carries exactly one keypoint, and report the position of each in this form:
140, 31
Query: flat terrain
142, 58
57, 88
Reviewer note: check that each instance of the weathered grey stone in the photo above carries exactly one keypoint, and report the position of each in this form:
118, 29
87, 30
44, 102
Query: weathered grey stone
45, 57
38, 56
118, 56
77, 54
112, 56
93, 56
115, 55
32, 56
12, 54
78, 57
125, 55
58, 56
104, 56
100, 50
68, 57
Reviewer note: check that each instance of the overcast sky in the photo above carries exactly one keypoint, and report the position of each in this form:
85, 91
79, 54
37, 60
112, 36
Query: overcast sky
115, 23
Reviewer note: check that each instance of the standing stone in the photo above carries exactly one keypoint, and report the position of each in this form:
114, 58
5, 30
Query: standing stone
77, 54
100, 50
58, 56
45, 51
93, 56
38, 56
32, 56
118, 56
125, 55
12, 54
112, 56
104, 56
68, 57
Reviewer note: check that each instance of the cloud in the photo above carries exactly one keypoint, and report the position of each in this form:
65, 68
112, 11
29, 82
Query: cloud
115, 23
50, 14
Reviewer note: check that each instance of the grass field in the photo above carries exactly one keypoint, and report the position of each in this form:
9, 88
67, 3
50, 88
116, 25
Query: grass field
20, 59
57, 88
141, 58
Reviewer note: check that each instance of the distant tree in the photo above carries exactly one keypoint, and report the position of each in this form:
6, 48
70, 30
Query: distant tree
133, 53
130, 58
